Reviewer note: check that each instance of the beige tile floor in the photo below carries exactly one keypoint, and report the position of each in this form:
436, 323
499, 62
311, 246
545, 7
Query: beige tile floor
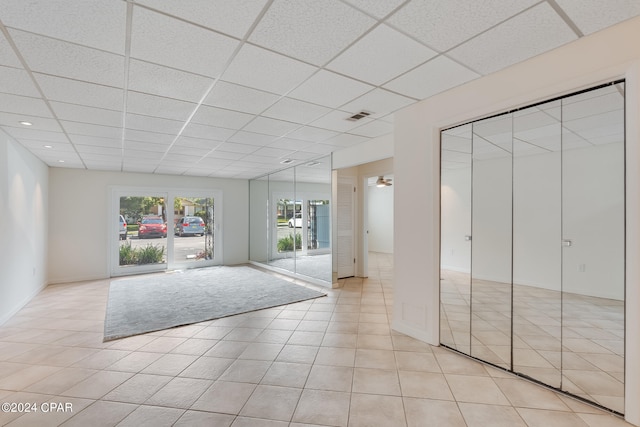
328, 362
571, 342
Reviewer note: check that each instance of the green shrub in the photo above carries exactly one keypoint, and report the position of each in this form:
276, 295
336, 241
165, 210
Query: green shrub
286, 243
150, 254
132, 227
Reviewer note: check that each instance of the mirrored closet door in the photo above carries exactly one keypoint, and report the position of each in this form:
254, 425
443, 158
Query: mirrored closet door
533, 242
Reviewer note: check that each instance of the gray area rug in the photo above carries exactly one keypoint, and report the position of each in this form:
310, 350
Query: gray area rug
142, 304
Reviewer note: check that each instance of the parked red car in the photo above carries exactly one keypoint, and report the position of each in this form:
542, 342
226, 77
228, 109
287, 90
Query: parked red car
152, 226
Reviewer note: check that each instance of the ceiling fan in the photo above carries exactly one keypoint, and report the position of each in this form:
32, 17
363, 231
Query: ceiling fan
381, 182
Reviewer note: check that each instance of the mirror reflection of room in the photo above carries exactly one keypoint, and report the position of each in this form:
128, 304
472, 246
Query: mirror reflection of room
532, 242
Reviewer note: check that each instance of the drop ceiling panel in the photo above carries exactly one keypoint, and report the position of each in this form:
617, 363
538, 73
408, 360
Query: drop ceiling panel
145, 136
271, 126
137, 167
536, 31
63, 59
7, 55
593, 15
104, 165
251, 138
39, 123
312, 31
140, 150
337, 121
220, 117
207, 132
205, 144
320, 148
92, 149
239, 98
163, 40
95, 141
380, 56
36, 135
444, 24
97, 24
344, 89
230, 17
313, 134
225, 155
346, 140
81, 113
295, 111
167, 82
290, 144
76, 92
302, 155
377, 8
272, 152
437, 75
378, 102
189, 151
233, 147
16, 81
153, 124
151, 105
24, 105
278, 74
373, 129
92, 130
48, 147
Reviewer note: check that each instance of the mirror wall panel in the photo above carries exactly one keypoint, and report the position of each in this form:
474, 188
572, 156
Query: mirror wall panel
543, 189
537, 299
491, 241
290, 220
455, 236
594, 240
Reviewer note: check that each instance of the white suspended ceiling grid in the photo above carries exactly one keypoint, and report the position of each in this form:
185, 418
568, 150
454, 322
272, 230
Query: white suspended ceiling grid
232, 89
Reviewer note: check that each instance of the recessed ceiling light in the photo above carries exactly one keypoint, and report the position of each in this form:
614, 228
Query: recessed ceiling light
313, 163
60, 161
48, 146
286, 161
26, 123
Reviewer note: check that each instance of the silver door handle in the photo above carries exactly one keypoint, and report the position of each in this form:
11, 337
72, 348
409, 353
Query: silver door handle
467, 238
567, 243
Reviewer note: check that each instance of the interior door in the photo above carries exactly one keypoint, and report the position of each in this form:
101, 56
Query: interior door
346, 227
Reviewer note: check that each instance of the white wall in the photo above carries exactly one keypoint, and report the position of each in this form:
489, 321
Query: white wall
78, 218
380, 215
23, 226
598, 58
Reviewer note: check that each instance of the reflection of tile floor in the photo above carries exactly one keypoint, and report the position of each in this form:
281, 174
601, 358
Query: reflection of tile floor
329, 362
590, 364
316, 266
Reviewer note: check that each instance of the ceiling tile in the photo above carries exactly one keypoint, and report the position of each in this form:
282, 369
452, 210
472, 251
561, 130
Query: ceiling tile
536, 31
142, 150
320, 148
39, 123
59, 58
16, 81
346, 140
380, 56
92, 130
343, 89
94, 23
290, 144
278, 74
160, 39
239, 98
191, 151
593, 15
373, 129
233, 18
167, 82
251, 138
295, 111
200, 143
47, 147
95, 141
271, 126
302, 155
225, 155
437, 75
377, 8
309, 30
207, 132
81, 113
151, 105
444, 24
135, 166
104, 166
153, 124
337, 121
150, 137
234, 147
24, 105
220, 117
313, 134
379, 102
272, 152
7, 55
75, 92
92, 149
